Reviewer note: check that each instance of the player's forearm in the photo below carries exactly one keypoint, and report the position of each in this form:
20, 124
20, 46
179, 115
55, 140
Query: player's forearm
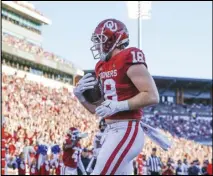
89, 107
143, 99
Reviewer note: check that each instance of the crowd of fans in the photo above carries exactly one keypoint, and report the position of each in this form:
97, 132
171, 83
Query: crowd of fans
44, 112
36, 114
144, 166
194, 129
29, 47
21, 23
169, 108
47, 74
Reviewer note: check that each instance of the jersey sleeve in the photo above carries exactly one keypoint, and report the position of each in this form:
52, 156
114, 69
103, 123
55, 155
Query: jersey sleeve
134, 56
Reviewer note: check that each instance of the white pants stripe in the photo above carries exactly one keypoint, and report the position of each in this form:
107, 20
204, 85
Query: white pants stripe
124, 141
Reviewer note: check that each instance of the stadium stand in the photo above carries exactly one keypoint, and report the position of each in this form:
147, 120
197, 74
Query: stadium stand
39, 108
38, 112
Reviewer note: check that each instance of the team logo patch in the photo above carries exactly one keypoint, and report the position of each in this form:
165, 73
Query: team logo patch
111, 26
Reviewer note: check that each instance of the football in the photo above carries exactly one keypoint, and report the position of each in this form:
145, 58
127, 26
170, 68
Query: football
94, 95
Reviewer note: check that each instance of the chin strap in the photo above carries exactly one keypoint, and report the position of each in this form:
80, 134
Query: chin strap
108, 55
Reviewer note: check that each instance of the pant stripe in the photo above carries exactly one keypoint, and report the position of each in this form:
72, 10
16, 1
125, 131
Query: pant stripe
128, 147
115, 152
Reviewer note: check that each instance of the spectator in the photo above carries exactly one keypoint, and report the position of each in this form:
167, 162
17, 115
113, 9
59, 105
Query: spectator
168, 169
193, 170
180, 168
204, 168
144, 165
185, 166
139, 164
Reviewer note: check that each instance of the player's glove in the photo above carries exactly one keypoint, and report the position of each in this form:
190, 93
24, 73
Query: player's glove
85, 83
110, 107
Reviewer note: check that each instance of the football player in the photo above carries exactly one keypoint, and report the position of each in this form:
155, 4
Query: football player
72, 153
128, 87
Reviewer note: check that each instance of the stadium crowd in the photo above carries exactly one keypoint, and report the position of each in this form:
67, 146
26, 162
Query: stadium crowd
32, 48
186, 126
36, 114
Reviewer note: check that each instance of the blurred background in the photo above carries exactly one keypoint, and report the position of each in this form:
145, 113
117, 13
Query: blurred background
46, 50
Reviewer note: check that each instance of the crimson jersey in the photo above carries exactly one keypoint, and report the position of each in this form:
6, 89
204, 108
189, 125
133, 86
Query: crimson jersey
116, 84
71, 156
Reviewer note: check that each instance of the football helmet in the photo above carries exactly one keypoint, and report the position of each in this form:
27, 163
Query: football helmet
73, 133
108, 35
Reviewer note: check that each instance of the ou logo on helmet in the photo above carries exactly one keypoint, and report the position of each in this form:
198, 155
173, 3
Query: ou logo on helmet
111, 26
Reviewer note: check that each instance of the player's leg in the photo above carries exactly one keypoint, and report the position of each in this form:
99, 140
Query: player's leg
120, 138
126, 170
110, 147
125, 165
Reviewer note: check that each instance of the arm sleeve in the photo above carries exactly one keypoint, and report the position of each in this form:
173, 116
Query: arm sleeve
134, 56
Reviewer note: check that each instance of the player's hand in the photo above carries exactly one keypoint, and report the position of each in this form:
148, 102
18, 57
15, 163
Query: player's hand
85, 83
110, 107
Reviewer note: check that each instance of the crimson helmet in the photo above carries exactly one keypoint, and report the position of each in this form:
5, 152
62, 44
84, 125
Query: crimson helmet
73, 133
108, 35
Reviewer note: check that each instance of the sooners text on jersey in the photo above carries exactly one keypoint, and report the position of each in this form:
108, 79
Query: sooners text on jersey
116, 84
